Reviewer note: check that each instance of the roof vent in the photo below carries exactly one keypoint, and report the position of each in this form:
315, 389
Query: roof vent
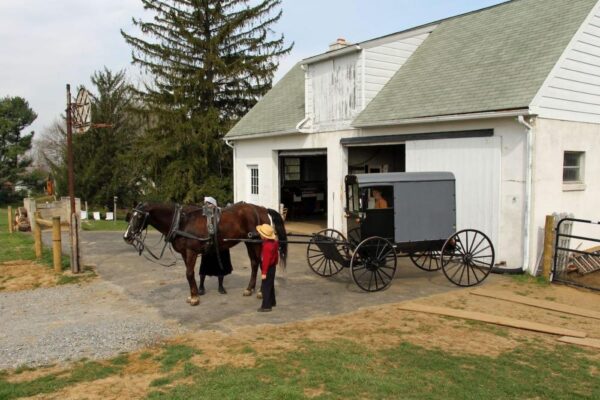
338, 44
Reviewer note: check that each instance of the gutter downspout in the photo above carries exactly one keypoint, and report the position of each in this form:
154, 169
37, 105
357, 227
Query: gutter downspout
528, 193
301, 123
234, 167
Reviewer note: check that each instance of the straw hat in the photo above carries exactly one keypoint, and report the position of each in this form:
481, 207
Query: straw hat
266, 231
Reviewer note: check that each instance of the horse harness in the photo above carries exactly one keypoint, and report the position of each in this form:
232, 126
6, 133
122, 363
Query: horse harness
213, 216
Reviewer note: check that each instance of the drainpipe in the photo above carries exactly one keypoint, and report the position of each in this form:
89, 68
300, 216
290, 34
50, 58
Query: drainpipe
234, 164
528, 192
302, 123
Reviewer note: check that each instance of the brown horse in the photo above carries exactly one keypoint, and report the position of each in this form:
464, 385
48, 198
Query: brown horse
187, 230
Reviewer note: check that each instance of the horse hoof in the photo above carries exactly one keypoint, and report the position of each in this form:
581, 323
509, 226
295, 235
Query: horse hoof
201, 292
259, 295
222, 290
193, 301
247, 292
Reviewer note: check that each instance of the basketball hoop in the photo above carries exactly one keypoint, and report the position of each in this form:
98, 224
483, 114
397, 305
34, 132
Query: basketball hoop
82, 113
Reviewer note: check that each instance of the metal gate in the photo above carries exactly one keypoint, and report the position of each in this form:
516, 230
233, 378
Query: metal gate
573, 264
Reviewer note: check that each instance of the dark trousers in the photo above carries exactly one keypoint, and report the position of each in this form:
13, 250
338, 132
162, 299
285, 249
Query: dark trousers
267, 288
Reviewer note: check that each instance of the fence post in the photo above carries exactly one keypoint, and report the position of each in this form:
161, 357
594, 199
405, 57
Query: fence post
548, 246
56, 244
37, 238
10, 220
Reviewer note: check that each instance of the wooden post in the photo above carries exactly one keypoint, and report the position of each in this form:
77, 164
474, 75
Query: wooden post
56, 245
548, 246
37, 237
10, 220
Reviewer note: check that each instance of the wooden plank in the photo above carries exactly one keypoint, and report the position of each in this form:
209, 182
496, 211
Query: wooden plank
492, 319
588, 342
547, 305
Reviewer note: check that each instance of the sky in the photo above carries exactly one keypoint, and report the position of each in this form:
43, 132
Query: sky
45, 44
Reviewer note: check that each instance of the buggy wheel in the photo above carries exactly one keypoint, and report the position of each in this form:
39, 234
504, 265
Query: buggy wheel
354, 237
327, 252
373, 264
468, 257
427, 260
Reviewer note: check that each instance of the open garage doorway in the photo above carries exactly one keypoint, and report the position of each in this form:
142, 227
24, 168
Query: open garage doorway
303, 186
376, 159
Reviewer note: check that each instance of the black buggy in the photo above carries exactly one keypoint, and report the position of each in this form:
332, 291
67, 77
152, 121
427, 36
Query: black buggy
416, 219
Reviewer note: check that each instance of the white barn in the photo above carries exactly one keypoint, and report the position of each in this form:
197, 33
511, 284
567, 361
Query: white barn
507, 98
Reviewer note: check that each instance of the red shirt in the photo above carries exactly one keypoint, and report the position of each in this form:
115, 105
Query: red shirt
270, 255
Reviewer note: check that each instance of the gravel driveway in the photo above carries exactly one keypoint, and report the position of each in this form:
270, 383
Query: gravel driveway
135, 302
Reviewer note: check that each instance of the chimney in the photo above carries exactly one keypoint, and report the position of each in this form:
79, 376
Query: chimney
338, 44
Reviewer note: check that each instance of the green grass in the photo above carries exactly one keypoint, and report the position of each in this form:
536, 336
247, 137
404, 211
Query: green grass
174, 354
19, 246
83, 372
91, 225
344, 370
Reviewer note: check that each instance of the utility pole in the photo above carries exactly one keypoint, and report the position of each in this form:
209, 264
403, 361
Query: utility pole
74, 231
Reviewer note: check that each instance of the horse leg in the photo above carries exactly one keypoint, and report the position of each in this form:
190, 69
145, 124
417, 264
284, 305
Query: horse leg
190, 264
254, 255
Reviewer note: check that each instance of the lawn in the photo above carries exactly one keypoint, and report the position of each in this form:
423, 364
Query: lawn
19, 245
336, 369
102, 225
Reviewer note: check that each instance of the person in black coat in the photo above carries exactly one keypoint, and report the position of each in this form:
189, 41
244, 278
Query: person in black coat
210, 266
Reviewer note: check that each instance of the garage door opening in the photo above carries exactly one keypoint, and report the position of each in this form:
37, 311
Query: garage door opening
303, 183
376, 159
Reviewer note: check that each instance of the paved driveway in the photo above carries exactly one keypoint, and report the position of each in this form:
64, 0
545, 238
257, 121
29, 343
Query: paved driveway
301, 294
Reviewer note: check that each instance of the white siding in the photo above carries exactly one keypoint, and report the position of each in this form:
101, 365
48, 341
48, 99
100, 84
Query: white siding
383, 61
553, 138
572, 90
264, 153
333, 89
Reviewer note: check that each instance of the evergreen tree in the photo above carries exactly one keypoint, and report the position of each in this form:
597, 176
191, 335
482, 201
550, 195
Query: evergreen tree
15, 115
210, 61
103, 156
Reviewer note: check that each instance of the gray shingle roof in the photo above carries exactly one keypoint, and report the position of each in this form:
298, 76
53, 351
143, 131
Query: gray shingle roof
494, 59
278, 111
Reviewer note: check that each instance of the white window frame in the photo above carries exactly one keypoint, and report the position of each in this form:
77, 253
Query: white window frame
579, 183
253, 182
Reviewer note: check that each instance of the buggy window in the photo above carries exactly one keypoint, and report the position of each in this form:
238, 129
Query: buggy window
353, 200
378, 197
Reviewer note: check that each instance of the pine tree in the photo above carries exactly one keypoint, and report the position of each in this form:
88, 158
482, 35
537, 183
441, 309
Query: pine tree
103, 155
210, 61
15, 115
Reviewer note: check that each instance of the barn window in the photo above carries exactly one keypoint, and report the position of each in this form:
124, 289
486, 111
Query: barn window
573, 170
573, 167
254, 180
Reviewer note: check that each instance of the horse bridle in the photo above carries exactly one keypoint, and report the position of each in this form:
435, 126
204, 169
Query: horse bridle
137, 241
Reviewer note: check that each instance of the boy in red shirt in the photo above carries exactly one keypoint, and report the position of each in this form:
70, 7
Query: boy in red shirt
269, 259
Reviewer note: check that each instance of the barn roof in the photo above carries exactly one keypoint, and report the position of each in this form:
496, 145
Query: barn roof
279, 111
491, 60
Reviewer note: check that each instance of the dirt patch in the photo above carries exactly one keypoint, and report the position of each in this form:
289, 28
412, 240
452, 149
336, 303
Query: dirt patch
25, 275
590, 280
28, 275
376, 328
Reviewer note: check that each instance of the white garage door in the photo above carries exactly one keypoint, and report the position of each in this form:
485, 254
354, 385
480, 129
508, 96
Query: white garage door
476, 164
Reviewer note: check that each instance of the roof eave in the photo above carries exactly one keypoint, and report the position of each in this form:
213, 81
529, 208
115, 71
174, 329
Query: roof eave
353, 48
446, 118
260, 135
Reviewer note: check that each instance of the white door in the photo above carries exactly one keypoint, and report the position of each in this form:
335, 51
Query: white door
476, 164
253, 188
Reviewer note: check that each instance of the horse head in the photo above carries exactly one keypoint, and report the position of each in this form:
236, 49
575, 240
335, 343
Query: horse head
138, 221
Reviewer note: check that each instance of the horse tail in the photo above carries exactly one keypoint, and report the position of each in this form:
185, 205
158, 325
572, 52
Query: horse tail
279, 226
